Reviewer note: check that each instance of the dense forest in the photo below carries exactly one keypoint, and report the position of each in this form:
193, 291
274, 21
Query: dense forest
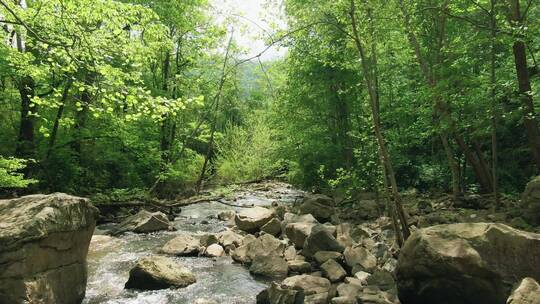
377, 136
435, 95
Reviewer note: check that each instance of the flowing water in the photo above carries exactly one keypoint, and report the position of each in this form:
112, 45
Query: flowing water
219, 279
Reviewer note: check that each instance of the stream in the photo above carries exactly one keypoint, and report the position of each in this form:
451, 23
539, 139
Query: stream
218, 279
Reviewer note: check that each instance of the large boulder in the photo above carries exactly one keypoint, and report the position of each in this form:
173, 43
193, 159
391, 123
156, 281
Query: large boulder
182, 245
295, 218
229, 239
320, 240
265, 245
270, 266
298, 233
252, 219
158, 272
273, 227
318, 205
480, 260
44, 242
309, 284
526, 292
144, 222
531, 201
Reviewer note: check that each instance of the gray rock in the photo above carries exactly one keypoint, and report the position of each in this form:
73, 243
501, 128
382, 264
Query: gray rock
276, 294
323, 256
299, 266
290, 253
182, 245
382, 279
265, 245
526, 292
269, 266
320, 240
372, 295
289, 218
229, 238
44, 242
273, 227
319, 298
359, 258
298, 233
206, 240
252, 219
318, 205
531, 201
333, 271
353, 281
349, 290
214, 250
143, 222
308, 284
362, 276
343, 300
343, 235
157, 272
481, 260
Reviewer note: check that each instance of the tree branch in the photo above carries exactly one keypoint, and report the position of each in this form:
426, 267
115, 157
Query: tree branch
28, 28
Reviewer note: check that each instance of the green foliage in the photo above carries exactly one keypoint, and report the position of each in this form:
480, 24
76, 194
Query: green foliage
126, 93
184, 173
10, 176
246, 152
120, 195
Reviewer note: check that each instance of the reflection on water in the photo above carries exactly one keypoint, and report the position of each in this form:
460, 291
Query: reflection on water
111, 258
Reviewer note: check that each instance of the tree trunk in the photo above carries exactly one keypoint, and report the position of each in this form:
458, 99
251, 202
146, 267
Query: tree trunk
442, 108
454, 167
524, 85
59, 114
214, 122
494, 112
81, 116
165, 131
369, 72
25, 141
25, 147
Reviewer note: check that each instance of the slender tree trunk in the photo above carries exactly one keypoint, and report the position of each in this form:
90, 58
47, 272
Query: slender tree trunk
214, 122
442, 108
59, 114
25, 141
371, 83
478, 165
454, 167
165, 144
81, 116
494, 112
524, 85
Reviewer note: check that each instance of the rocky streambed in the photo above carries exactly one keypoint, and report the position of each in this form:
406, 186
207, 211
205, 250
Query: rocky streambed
219, 279
266, 244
